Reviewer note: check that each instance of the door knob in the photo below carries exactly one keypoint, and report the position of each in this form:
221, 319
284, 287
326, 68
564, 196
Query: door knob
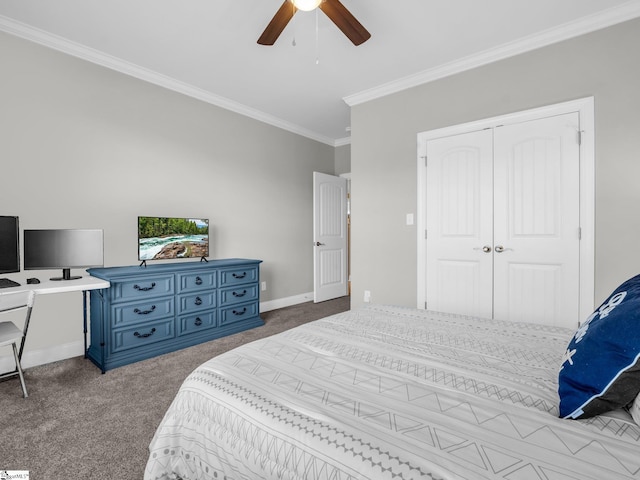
499, 249
318, 244
485, 249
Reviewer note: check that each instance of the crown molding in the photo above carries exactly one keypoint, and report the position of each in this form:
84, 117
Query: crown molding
341, 142
587, 24
590, 23
68, 47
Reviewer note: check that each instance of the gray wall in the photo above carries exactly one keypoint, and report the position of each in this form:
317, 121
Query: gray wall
86, 147
603, 64
343, 159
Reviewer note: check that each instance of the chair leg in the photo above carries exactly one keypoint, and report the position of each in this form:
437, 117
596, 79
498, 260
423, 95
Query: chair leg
20, 372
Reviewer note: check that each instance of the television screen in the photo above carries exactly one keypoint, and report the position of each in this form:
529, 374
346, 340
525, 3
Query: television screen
9, 245
161, 238
64, 249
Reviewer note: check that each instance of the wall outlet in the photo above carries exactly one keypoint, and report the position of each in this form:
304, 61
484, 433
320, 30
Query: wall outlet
367, 296
263, 286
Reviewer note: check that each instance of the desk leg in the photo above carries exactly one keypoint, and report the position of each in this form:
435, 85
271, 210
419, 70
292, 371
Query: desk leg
101, 330
84, 320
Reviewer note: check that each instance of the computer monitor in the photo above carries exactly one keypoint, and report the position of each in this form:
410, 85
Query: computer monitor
63, 249
9, 244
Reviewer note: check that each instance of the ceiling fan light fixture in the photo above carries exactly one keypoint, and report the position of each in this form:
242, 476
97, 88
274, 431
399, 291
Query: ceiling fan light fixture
337, 13
306, 5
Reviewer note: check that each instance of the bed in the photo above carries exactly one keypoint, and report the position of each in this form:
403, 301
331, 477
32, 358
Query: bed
387, 392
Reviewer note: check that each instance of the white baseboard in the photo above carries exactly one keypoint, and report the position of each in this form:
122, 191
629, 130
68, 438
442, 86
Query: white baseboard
286, 302
33, 358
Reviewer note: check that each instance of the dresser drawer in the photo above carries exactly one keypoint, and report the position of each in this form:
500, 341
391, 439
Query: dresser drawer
238, 276
142, 287
196, 322
196, 301
239, 312
137, 312
141, 335
190, 282
240, 294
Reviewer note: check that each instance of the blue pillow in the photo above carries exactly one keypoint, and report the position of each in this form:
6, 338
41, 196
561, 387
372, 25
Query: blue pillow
600, 370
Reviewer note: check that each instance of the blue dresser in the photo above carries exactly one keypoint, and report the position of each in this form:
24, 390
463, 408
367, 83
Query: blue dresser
155, 309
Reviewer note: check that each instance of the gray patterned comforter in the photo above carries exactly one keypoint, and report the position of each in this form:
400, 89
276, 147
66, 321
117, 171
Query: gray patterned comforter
389, 393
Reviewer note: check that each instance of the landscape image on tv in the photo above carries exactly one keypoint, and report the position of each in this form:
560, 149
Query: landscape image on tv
161, 238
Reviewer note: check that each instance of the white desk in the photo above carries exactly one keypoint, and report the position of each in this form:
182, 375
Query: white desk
47, 287
60, 286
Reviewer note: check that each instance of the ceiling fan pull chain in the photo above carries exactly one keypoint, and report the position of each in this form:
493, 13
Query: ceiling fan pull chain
293, 24
317, 41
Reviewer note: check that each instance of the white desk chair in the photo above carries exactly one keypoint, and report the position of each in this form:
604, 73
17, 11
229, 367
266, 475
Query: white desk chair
10, 334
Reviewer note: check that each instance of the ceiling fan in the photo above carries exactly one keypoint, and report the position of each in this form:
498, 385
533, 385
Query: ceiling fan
333, 9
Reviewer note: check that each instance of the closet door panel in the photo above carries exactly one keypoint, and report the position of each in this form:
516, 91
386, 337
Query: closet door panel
536, 221
459, 224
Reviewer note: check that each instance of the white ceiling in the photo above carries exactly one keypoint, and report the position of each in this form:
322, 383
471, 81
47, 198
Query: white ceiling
207, 48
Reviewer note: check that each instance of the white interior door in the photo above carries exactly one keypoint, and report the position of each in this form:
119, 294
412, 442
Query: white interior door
537, 221
502, 222
330, 237
459, 224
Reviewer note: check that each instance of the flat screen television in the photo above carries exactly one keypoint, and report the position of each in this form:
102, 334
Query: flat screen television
63, 249
9, 244
162, 238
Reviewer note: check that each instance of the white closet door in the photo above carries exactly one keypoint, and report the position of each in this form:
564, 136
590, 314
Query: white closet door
459, 223
502, 222
536, 221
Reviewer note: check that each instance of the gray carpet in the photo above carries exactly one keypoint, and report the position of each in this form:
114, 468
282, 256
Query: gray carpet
80, 424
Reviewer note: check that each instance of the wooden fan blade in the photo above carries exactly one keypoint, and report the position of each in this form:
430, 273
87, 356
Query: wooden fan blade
346, 22
277, 23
